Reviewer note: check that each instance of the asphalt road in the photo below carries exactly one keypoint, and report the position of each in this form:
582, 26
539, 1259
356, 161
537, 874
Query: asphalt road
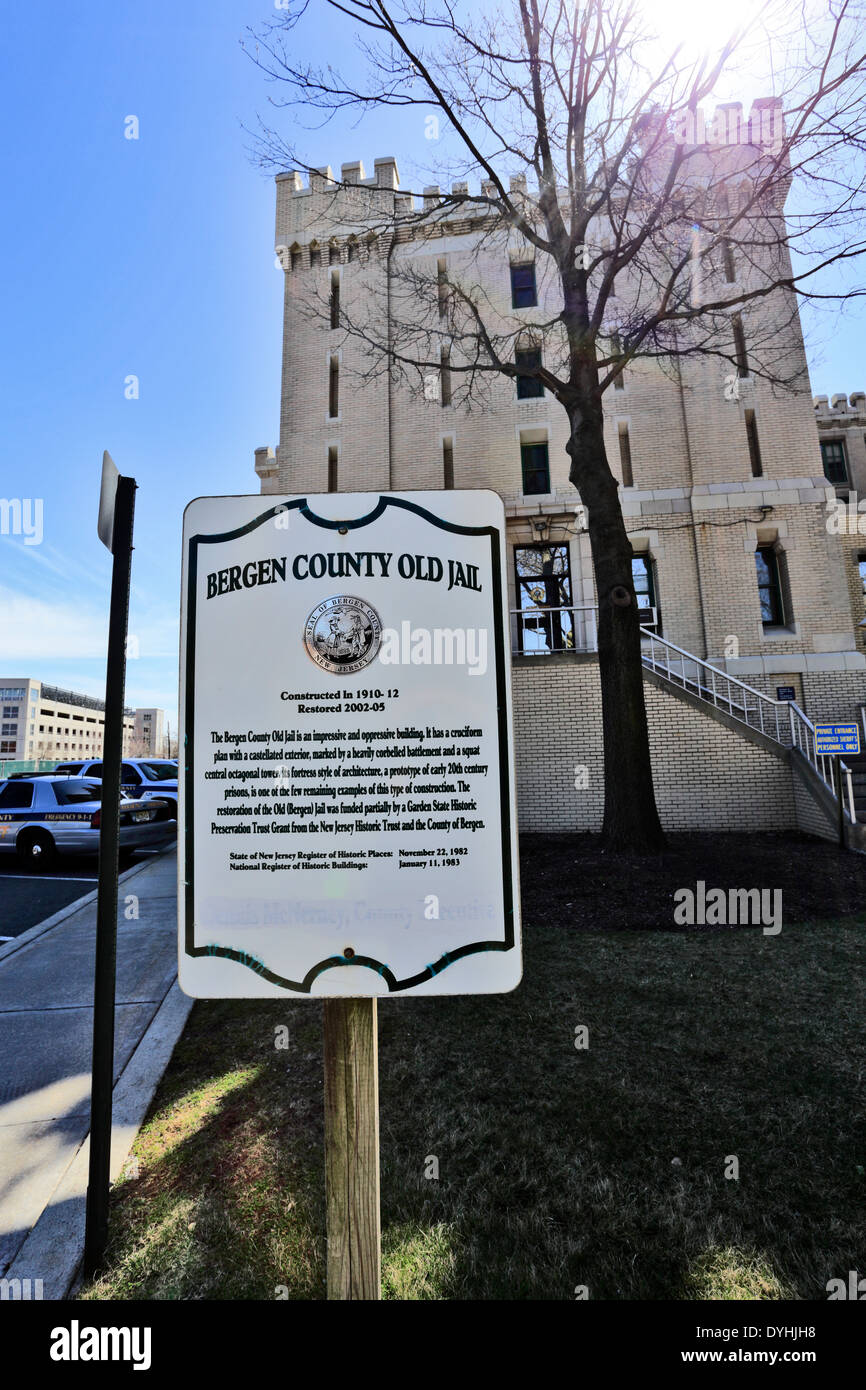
27, 898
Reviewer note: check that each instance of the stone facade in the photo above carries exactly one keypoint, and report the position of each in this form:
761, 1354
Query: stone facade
150, 736
557, 722
720, 464
842, 422
42, 721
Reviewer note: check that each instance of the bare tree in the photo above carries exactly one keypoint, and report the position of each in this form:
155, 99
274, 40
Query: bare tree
652, 237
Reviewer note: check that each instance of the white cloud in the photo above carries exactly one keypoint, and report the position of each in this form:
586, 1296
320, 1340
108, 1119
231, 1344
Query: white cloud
34, 632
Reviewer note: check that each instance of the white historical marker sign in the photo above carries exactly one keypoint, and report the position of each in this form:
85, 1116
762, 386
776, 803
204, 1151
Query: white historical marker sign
347, 795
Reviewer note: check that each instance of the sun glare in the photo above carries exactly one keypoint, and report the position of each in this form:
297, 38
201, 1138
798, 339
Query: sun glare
698, 27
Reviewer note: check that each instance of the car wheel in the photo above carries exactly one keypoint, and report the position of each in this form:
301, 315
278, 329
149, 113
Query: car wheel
36, 847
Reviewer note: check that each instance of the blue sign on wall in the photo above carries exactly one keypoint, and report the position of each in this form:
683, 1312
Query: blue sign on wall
837, 738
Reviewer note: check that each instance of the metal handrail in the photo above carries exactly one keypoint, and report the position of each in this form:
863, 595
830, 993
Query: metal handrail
768, 711
822, 762
741, 701
583, 631
589, 625
798, 726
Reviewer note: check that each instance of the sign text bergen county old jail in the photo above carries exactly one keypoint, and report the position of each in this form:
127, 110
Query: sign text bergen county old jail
347, 803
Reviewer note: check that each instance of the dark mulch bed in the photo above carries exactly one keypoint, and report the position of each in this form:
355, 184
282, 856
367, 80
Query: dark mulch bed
570, 880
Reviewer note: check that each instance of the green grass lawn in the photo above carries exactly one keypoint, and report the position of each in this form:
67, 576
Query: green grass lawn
556, 1165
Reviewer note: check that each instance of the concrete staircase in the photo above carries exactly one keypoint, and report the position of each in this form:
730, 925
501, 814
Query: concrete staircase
783, 722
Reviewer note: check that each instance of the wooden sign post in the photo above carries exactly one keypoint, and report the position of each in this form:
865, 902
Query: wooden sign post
352, 1148
347, 813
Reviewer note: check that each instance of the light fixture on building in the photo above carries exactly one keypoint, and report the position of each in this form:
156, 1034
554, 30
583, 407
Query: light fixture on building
540, 527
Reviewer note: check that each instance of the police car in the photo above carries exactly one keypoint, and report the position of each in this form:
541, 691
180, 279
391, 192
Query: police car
143, 778
41, 817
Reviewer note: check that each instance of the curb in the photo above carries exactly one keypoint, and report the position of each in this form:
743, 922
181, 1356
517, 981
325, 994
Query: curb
54, 1248
33, 933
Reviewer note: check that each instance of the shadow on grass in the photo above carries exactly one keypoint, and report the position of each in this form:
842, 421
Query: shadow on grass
559, 1168
605, 1167
223, 1197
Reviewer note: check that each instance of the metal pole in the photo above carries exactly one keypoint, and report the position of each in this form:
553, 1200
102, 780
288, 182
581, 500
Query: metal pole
96, 1221
352, 1148
841, 808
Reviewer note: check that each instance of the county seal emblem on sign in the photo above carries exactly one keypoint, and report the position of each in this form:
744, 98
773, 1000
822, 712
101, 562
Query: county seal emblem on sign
342, 635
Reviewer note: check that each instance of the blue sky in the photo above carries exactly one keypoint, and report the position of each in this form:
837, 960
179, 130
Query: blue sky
152, 257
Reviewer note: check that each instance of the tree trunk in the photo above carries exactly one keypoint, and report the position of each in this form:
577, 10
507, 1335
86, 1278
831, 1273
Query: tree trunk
631, 820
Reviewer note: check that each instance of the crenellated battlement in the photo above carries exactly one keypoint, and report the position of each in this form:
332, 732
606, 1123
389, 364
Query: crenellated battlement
329, 210
841, 409
763, 128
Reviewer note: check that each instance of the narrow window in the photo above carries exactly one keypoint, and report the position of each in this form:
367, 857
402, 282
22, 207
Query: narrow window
442, 286
643, 578
740, 346
295, 257
861, 570
523, 292
616, 349
351, 249
535, 465
332, 468
445, 375
315, 255
605, 246
334, 388
728, 257
769, 586
754, 446
448, 463
835, 464
527, 359
334, 253
625, 456
335, 299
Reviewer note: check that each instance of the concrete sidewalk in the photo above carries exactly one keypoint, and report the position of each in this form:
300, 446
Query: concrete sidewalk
46, 1008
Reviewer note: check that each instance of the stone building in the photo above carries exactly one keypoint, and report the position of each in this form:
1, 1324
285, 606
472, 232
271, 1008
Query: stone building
842, 437
722, 488
150, 736
41, 721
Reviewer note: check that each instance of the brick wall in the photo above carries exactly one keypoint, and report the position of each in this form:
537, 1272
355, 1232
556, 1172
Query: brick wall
694, 506
694, 501
833, 696
706, 776
812, 816
825, 697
